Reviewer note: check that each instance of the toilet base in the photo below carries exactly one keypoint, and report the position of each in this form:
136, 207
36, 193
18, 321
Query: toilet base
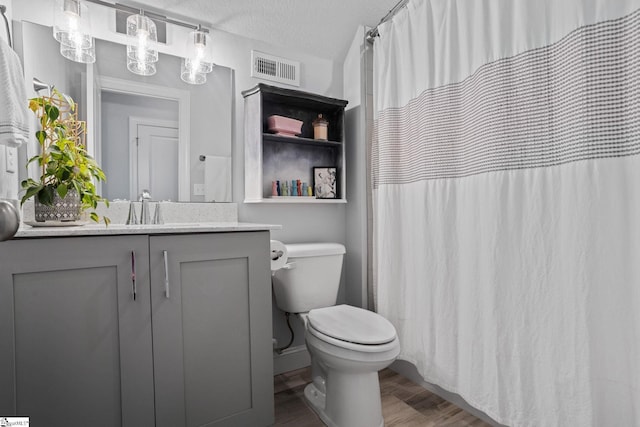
317, 400
347, 416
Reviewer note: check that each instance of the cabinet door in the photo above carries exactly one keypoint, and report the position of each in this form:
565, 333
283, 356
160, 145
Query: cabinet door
212, 330
76, 346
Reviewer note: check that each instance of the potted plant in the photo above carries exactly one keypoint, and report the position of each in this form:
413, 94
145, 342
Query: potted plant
66, 187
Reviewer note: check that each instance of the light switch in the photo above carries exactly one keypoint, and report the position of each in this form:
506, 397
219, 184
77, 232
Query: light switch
198, 189
12, 159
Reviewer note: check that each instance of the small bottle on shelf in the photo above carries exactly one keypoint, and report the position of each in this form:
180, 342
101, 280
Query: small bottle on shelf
320, 126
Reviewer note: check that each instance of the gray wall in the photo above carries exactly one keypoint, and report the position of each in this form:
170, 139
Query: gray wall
355, 82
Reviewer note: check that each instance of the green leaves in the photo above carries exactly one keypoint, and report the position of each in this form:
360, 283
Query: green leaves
62, 190
33, 159
32, 187
64, 161
52, 112
45, 195
41, 136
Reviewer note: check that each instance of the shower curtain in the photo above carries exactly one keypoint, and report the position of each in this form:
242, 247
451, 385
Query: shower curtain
506, 203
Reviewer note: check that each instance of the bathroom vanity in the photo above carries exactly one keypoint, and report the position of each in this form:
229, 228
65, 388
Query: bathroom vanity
137, 326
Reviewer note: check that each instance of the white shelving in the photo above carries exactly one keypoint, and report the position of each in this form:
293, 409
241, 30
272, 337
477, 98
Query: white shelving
270, 157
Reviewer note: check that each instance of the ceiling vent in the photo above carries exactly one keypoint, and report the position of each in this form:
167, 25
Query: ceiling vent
276, 69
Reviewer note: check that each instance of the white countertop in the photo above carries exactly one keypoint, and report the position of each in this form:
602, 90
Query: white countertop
93, 229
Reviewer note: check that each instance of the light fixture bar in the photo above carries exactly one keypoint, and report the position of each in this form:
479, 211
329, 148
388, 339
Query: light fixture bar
155, 16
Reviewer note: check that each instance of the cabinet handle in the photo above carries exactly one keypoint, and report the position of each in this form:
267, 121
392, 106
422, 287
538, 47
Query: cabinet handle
133, 274
166, 274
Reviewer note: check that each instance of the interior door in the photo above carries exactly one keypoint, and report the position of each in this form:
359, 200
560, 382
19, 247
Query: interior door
156, 161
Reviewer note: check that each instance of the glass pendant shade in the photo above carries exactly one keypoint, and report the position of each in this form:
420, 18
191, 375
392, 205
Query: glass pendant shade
200, 55
71, 25
198, 66
143, 36
76, 54
193, 77
139, 54
141, 68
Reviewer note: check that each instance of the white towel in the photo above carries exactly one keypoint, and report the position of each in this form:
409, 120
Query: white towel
14, 111
217, 179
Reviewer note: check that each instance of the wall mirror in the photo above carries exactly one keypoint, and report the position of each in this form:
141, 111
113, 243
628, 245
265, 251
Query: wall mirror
145, 132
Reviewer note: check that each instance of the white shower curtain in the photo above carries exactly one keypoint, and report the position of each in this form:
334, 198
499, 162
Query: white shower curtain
506, 201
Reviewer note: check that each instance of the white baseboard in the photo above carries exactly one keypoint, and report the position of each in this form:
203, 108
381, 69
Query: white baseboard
291, 359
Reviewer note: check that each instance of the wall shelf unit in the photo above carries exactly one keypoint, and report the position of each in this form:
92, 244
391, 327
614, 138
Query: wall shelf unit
270, 157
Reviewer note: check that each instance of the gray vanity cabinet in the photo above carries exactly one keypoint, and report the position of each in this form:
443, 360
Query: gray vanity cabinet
212, 330
75, 345
76, 348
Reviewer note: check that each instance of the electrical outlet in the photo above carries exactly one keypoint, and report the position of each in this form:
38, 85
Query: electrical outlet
198, 189
12, 159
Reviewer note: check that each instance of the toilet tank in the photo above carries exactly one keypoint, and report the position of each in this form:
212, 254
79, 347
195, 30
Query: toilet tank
311, 278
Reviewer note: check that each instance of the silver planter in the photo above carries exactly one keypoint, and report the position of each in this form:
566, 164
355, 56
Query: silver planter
62, 209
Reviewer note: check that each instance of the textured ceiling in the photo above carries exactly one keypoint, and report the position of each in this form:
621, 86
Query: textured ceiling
323, 28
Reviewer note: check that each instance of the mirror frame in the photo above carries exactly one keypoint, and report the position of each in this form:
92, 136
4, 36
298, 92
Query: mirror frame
114, 85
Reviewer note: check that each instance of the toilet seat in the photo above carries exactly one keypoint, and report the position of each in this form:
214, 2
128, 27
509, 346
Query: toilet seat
348, 324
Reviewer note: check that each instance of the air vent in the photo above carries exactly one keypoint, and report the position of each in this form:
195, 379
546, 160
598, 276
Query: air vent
276, 69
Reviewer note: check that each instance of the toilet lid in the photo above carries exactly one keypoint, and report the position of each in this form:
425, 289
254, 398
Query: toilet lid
348, 323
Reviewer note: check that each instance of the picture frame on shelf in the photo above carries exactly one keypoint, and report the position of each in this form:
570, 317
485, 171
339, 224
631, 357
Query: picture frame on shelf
325, 182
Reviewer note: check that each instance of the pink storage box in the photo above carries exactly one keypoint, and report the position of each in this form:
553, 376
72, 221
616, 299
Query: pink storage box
284, 125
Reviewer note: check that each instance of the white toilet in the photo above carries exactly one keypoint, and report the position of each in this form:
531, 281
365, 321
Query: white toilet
348, 345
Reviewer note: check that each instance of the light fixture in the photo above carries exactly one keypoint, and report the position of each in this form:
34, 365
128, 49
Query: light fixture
72, 29
199, 53
77, 54
141, 45
141, 68
192, 76
199, 59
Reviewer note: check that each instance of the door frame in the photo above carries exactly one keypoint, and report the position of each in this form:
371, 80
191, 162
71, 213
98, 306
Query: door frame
111, 84
134, 122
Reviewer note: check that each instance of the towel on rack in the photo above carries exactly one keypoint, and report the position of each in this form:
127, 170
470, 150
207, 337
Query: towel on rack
14, 113
217, 179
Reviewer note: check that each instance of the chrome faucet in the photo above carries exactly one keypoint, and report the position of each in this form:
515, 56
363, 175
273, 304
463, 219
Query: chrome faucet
145, 217
157, 216
132, 219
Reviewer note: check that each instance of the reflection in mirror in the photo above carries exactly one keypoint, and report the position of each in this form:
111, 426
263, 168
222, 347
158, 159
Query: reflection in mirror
145, 132
147, 136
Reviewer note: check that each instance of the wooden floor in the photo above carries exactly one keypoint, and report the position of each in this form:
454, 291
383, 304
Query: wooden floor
404, 404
